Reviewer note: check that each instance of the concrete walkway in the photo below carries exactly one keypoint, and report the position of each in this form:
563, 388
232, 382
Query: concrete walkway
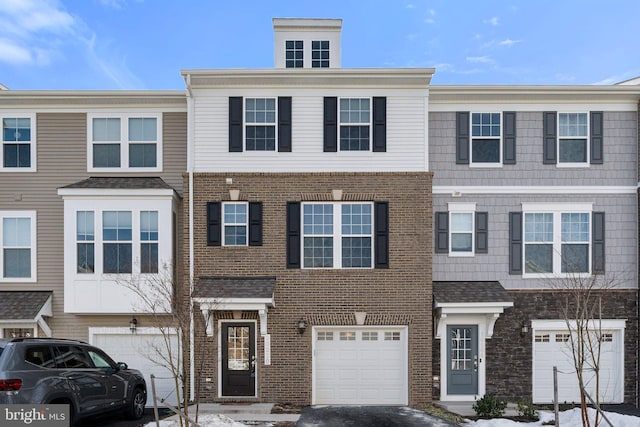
255, 413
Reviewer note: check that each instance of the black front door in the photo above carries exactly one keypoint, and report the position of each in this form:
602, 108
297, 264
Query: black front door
238, 359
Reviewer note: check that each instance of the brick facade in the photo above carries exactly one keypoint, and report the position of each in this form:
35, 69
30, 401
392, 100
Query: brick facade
398, 296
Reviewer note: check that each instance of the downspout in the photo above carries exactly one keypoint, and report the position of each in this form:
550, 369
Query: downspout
190, 167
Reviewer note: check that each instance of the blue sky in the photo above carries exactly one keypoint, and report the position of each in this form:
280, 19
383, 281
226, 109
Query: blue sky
143, 44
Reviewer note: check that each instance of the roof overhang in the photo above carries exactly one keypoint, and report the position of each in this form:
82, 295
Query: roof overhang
409, 78
36, 318
491, 311
261, 305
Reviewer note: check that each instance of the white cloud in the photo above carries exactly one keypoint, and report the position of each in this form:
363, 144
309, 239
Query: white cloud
13, 54
407, 6
508, 42
40, 32
495, 21
479, 59
430, 21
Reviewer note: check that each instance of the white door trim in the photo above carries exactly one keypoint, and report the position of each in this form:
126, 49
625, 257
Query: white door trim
255, 339
462, 319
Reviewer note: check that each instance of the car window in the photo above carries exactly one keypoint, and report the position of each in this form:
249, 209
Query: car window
71, 356
100, 360
40, 355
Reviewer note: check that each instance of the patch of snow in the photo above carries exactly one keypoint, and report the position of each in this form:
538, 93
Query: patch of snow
208, 420
570, 418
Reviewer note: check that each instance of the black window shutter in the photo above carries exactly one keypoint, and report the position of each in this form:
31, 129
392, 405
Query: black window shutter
214, 224
462, 138
379, 124
515, 242
597, 154
293, 234
482, 232
598, 242
509, 138
381, 220
284, 124
549, 137
442, 233
330, 124
255, 223
235, 124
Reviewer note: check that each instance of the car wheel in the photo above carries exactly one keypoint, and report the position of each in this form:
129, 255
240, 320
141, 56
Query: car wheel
136, 406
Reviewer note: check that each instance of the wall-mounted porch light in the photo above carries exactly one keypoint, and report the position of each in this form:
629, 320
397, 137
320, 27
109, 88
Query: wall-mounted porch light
525, 329
301, 325
133, 325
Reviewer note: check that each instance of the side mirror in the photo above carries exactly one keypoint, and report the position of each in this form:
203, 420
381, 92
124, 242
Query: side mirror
122, 366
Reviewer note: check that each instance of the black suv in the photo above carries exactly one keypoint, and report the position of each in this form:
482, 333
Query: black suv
52, 370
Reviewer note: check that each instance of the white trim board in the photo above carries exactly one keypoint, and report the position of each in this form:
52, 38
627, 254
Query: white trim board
456, 191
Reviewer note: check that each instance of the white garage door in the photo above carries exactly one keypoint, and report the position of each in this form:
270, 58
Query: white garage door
553, 348
139, 351
360, 366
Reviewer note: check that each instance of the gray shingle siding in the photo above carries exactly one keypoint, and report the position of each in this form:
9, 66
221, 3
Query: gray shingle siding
619, 167
621, 241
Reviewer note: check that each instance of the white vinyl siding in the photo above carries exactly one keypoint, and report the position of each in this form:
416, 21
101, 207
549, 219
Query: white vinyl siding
406, 137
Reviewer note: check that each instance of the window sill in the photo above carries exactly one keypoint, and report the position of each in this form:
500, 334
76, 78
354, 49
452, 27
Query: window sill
573, 165
486, 165
461, 254
18, 170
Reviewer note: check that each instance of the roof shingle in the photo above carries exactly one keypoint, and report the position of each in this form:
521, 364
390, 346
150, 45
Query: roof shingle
464, 292
235, 287
16, 305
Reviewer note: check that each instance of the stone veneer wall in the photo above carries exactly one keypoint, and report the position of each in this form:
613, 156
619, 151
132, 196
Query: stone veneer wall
400, 295
509, 355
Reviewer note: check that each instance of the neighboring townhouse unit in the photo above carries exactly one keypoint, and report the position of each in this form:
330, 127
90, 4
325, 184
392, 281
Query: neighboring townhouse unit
309, 201
90, 201
534, 193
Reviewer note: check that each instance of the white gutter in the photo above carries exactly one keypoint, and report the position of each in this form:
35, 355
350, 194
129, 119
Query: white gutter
190, 160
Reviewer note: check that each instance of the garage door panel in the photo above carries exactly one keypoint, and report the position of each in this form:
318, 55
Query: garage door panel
370, 370
557, 352
140, 351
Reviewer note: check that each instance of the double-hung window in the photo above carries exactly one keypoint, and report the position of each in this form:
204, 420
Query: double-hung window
486, 142
85, 238
337, 235
148, 242
355, 124
235, 224
461, 231
260, 124
557, 241
18, 231
294, 54
573, 137
18, 143
117, 241
125, 142
320, 54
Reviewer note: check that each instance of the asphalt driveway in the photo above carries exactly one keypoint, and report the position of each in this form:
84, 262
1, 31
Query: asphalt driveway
366, 416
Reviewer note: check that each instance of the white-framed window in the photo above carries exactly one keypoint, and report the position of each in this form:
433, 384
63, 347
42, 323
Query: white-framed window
18, 143
557, 239
337, 235
573, 138
149, 242
355, 124
127, 142
18, 237
294, 54
235, 224
85, 242
320, 54
260, 124
461, 228
117, 239
486, 139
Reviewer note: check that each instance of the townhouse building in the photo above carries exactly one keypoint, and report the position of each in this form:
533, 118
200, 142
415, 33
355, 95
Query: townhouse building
90, 201
309, 201
534, 193
344, 236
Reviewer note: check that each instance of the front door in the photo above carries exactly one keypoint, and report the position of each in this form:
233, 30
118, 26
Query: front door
238, 359
462, 359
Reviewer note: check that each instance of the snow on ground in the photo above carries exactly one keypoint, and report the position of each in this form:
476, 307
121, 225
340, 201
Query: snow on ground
208, 420
569, 418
